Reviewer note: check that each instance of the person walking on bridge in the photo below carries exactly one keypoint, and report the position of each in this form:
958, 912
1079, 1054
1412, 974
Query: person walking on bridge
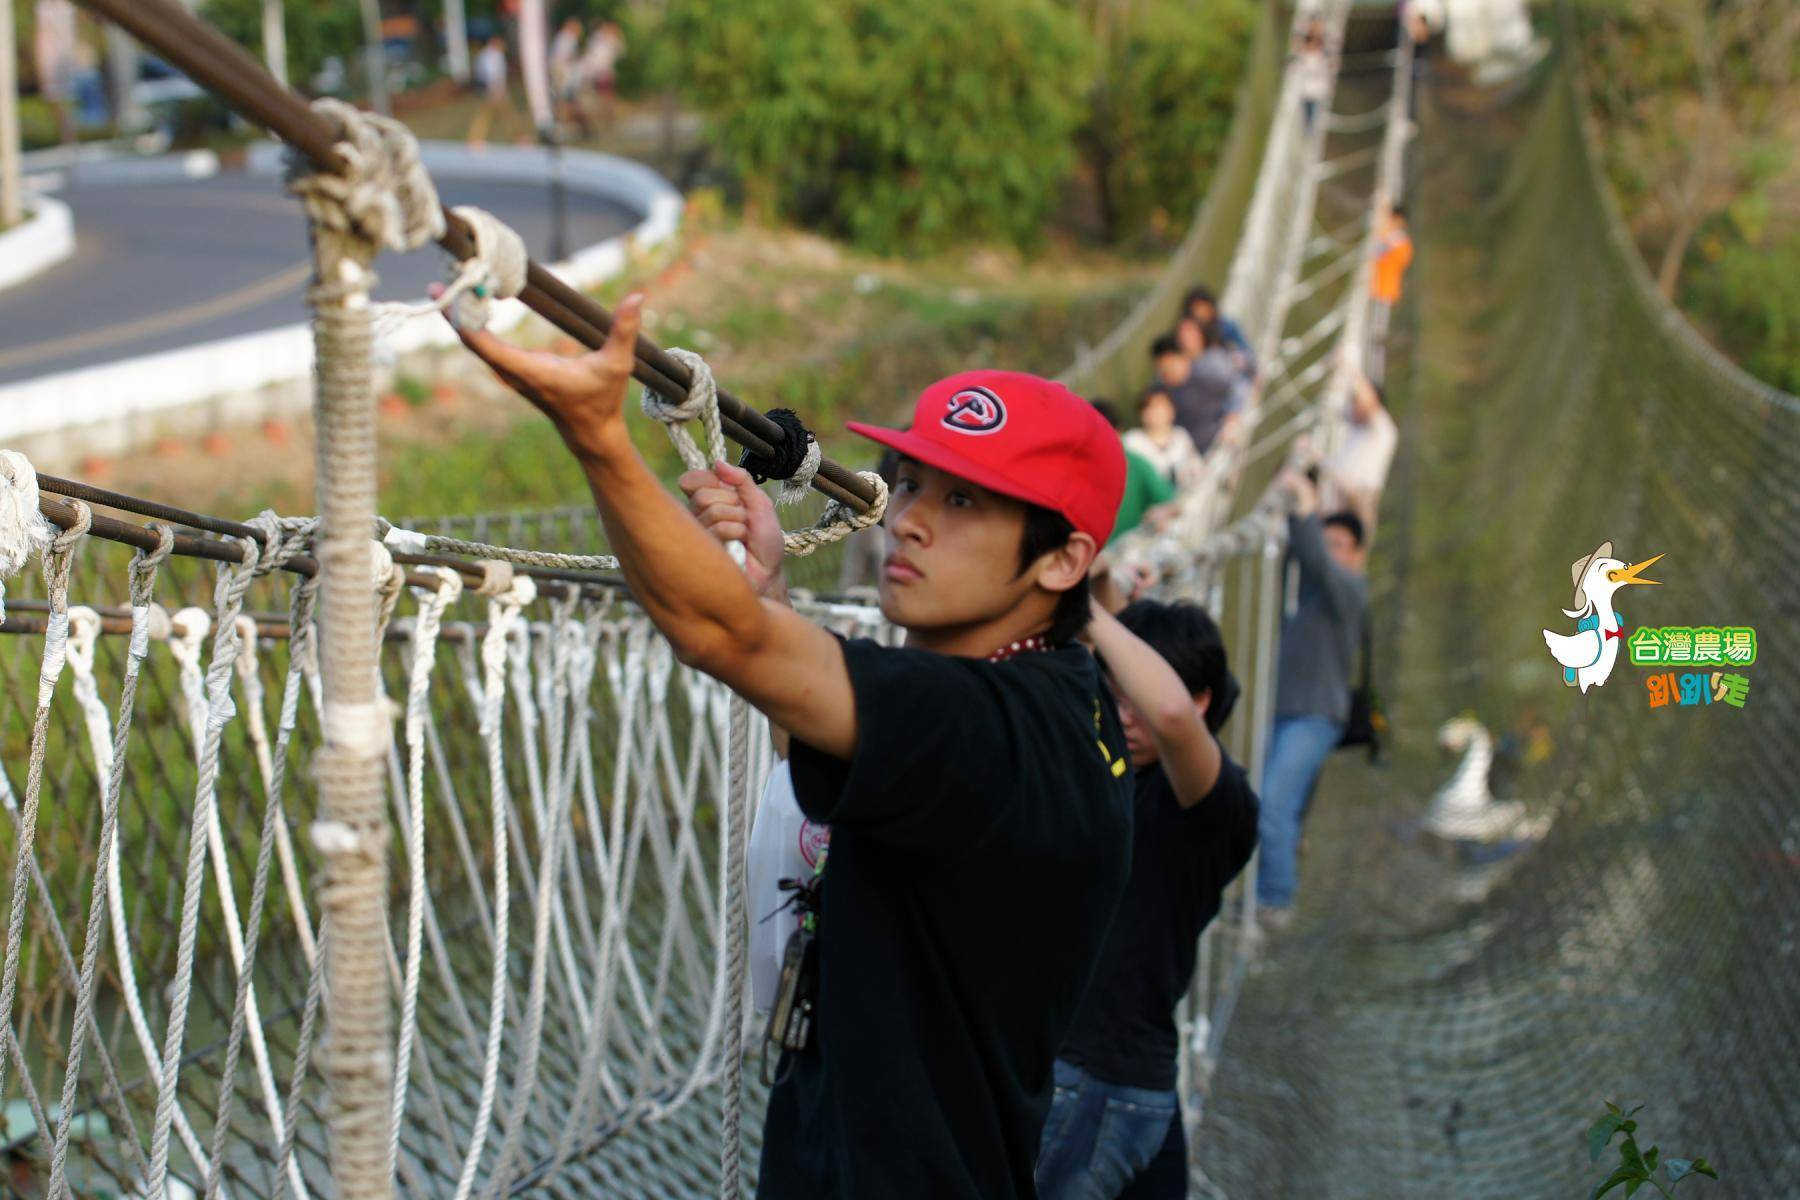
1116, 1121
1319, 643
975, 779
1393, 255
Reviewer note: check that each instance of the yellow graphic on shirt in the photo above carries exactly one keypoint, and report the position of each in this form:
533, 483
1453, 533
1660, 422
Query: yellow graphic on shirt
1118, 764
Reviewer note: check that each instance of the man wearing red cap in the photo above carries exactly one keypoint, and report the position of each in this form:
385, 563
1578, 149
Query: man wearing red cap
975, 780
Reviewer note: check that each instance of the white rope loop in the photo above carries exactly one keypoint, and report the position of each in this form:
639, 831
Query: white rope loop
839, 520
795, 486
433, 602
701, 404
504, 604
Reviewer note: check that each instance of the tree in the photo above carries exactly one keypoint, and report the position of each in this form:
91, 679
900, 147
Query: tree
1162, 104
314, 29
1691, 94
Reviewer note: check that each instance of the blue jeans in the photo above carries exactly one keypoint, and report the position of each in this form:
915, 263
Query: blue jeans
1298, 748
1099, 1135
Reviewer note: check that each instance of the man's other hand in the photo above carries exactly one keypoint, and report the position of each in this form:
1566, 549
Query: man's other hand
726, 500
583, 395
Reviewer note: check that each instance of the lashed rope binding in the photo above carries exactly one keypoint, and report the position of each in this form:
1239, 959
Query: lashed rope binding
837, 522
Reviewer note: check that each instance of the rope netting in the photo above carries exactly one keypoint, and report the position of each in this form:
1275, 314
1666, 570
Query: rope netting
555, 959
554, 929
1448, 1024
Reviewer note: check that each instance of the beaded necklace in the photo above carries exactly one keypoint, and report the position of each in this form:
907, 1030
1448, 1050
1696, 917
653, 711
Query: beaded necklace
1035, 642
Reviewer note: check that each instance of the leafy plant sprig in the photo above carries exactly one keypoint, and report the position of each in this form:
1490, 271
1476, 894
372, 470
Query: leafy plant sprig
1637, 1167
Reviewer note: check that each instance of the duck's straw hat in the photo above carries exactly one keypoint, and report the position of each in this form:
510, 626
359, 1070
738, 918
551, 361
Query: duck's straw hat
1580, 566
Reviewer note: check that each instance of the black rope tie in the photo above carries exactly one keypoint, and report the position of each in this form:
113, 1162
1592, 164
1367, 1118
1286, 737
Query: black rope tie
787, 454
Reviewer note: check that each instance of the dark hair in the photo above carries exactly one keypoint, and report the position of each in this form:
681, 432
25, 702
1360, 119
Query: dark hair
889, 466
1398, 210
1199, 294
1210, 336
1047, 530
1109, 410
1348, 521
1189, 640
1151, 391
1166, 344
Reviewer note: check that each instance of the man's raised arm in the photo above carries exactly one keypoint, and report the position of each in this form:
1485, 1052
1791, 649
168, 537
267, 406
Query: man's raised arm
789, 668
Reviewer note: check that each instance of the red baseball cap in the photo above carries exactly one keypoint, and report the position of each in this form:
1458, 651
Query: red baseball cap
1021, 436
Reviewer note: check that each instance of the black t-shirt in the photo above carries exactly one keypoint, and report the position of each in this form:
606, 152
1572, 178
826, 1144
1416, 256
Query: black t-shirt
980, 841
1181, 860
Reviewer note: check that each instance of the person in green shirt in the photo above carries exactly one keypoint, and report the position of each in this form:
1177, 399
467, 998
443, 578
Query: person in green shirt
1146, 488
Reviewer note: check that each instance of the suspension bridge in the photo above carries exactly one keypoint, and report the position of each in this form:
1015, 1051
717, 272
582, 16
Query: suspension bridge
254, 951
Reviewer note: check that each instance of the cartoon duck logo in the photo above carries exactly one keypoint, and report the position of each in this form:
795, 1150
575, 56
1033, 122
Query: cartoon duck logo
1588, 655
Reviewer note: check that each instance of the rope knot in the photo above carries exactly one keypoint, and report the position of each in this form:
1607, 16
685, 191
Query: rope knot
84, 520
703, 392
495, 271
283, 538
795, 460
383, 196
701, 403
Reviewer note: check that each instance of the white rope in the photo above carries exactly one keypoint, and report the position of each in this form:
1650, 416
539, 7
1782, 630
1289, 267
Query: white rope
552, 818
84, 626
432, 604
256, 727
495, 270
210, 709
702, 403
56, 564
110, 760
503, 614
280, 544
234, 580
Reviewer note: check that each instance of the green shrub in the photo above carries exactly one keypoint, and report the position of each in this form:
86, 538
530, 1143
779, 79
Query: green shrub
896, 126
1749, 293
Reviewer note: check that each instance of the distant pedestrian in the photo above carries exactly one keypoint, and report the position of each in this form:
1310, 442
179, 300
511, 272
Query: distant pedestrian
496, 99
1204, 307
56, 57
1312, 68
1149, 494
1394, 254
600, 68
565, 70
1319, 643
1358, 471
1162, 443
1209, 393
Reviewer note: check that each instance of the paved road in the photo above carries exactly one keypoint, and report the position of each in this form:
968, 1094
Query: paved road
163, 266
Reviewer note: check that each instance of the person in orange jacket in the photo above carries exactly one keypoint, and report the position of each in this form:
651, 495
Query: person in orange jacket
1391, 262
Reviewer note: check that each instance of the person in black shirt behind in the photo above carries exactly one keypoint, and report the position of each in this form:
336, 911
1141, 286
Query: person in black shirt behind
975, 780
1115, 1126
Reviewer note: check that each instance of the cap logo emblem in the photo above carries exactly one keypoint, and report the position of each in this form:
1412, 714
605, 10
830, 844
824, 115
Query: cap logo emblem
975, 410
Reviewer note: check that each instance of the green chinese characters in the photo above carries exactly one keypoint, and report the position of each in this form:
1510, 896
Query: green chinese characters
1665, 645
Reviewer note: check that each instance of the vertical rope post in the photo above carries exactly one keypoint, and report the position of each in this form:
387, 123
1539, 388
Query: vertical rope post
351, 831
382, 198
